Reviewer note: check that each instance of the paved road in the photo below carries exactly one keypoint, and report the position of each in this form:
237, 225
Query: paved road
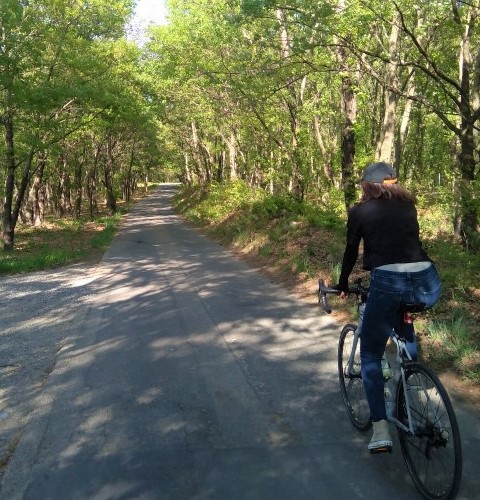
188, 375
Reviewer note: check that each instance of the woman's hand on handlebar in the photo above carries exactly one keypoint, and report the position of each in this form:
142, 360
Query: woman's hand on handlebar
342, 294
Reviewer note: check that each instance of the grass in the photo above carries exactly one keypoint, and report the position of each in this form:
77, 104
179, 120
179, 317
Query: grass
302, 242
57, 243
451, 343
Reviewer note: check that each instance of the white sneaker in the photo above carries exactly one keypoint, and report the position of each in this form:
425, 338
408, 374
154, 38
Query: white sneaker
381, 440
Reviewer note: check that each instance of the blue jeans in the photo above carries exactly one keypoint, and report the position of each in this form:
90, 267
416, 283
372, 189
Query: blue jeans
389, 292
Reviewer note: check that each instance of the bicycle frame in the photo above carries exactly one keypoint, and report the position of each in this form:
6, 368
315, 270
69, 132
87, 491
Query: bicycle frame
402, 355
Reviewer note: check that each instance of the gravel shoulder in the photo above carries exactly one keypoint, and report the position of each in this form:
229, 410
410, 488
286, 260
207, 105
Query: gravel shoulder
40, 313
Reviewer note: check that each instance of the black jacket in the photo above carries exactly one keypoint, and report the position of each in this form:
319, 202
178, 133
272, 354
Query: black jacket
390, 233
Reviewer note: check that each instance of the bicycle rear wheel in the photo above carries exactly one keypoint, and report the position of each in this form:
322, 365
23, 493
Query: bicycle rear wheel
351, 384
433, 455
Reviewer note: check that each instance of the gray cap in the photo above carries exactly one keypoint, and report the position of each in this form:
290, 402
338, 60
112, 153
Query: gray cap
378, 172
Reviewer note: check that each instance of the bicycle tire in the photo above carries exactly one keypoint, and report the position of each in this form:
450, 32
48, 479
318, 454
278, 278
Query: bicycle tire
351, 387
433, 455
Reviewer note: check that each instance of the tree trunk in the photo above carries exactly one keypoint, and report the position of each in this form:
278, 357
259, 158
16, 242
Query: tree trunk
64, 192
387, 133
39, 213
348, 141
326, 157
8, 226
201, 156
349, 108
36, 202
468, 215
187, 176
92, 183
468, 207
401, 138
231, 144
108, 177
128, 181
293, 101
79, 185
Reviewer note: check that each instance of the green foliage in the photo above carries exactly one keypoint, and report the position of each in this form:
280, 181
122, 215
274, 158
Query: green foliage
72, 90
459, 268
265, 78
451, 343
279, 206
324, 219
218, 201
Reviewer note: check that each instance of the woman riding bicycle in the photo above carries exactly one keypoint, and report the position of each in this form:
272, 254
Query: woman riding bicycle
401, 273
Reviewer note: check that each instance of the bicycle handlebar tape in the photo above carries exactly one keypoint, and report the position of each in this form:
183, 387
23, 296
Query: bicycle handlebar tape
322, 296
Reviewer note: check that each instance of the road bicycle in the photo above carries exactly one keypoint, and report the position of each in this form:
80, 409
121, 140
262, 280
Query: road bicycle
415, 399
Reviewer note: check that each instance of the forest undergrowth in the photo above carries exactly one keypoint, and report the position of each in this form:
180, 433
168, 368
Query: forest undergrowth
298, 243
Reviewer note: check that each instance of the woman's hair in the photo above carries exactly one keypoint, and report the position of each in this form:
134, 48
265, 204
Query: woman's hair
376, 190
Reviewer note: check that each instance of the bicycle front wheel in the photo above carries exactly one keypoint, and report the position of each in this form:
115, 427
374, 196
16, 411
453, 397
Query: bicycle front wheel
433, 454
351, 384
